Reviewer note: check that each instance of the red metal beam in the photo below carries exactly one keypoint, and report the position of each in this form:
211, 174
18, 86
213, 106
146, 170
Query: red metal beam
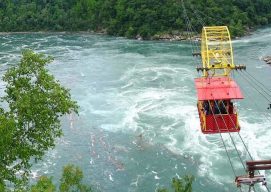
259, 162
260, 167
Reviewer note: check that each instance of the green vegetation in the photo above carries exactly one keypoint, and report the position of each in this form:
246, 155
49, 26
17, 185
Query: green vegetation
29, 116
131, 17
71, 181
180, 185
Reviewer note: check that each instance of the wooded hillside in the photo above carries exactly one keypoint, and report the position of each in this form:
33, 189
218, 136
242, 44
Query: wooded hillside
131, 17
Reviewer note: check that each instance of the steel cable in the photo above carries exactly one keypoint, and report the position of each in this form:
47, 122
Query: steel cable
223, 142
254, 87
258, 82
190, 29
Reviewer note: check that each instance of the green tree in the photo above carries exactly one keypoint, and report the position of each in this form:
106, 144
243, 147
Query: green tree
44, 184
180, 185
71, 181
30, 116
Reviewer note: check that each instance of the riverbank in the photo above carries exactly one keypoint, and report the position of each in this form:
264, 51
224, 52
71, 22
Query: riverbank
170, 36
52, 32
157, 37
176, 37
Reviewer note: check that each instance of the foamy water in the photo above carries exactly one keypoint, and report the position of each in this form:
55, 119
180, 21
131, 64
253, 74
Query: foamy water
138, 125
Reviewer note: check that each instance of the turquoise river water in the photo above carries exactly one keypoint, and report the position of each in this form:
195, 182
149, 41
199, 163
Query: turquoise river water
138, 125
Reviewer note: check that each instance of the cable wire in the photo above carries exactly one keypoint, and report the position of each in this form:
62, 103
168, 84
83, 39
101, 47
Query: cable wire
257, 84
267, 188
190, 29
239, 156
252, 101
258, 81
238, 133
223, 141
241, 74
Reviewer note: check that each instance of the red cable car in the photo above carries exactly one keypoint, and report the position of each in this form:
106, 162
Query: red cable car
216, 89
216, 111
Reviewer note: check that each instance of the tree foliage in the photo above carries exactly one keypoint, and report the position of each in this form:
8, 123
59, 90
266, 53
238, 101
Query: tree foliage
30, 116
180, 185
131, 17
71, 181
44, 184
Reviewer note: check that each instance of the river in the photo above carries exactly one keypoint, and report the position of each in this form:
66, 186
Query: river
138, 125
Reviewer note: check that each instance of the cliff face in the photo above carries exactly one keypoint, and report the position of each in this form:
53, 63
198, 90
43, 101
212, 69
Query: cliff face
148, 19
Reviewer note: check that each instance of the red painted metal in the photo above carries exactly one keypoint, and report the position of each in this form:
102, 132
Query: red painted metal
250, 181
217, 88
218, 123
221, 124
258, 162
258, 165
251, 178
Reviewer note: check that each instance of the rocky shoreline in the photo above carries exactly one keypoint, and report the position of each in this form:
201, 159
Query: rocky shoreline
161, 37
170, 37
173, 36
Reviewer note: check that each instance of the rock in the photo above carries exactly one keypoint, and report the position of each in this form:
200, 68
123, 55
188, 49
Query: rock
267, 59
166, 37
177, 38
155, 37
196, 39
169, 37
138, 37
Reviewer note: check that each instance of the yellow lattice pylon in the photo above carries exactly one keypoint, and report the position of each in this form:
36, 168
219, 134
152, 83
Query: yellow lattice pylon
216, 51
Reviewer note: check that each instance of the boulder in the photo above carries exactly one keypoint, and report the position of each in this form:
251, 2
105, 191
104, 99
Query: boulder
267, 59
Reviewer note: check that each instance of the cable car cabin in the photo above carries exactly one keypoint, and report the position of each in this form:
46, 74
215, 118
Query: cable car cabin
216, 111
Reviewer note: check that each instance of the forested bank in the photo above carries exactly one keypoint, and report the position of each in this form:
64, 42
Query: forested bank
131, 18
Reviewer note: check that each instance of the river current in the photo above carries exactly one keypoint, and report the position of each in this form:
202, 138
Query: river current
138, 125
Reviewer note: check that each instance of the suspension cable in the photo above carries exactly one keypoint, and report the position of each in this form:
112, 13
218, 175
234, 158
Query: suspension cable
258, 81
267, 188
231, 164
257, 84
254, 86
246, 91
222, 140
238, 132
190, 29
252, 101
197, 15
243, 144
239, 156
207, 16
235, 145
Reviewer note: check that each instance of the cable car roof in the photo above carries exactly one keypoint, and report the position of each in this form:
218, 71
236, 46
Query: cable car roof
217, 88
